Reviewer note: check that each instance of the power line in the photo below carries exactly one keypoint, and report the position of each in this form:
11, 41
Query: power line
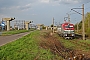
85, 3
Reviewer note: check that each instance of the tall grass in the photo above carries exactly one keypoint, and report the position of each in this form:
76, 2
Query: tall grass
25, 48
13, 32
75, 44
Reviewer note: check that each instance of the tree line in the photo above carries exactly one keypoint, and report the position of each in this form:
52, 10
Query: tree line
87, 25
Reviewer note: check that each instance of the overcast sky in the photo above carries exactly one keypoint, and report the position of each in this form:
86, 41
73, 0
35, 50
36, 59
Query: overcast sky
42, 11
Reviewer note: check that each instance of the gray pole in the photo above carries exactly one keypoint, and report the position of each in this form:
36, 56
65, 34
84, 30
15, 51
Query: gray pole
88, 22
53, 24
68, 18
77, 27
83, 33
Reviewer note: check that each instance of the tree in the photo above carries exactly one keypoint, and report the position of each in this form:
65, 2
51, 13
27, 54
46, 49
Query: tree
80, 25
87, 20
87, 23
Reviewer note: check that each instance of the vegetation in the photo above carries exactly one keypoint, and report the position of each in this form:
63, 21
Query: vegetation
14, 32
75, 44
43, 27
83, 45
25, 48
87, 24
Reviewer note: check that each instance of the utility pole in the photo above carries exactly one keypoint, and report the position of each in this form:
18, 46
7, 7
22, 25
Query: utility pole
77, 27
68, 18
53, 24
88, 22
83, 28
22, 24
83, 22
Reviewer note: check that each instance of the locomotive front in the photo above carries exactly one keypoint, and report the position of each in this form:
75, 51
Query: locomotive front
67, 30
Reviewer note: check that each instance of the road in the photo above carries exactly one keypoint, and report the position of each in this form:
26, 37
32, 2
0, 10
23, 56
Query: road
7, 39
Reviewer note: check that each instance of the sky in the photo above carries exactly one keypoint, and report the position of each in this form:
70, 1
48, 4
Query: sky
43, 11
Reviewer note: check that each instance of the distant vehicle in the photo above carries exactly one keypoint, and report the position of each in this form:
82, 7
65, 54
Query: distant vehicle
66, 30
2, 26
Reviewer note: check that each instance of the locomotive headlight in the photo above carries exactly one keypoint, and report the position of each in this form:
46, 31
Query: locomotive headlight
72, 34
65, 34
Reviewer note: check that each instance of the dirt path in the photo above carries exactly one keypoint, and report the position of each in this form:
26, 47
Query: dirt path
7, 39
51, 42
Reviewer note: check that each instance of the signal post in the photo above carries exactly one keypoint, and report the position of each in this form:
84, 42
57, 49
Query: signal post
83, 28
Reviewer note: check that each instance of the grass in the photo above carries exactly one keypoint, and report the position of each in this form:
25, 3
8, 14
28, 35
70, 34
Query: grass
75, 44
68, 44
13, 32
26, 48
85, 41
65, 42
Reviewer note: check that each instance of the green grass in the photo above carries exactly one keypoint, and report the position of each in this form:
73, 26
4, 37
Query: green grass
79, 44
25, 48
85, 41
13, 32
68, 44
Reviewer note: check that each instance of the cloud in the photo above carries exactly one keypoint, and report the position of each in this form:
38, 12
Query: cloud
44, 1
15, 5
69, 1
24, 8
14, 9
84, 1
4, 3
58, 2
72, 1
64, 1
34, 14
2, 16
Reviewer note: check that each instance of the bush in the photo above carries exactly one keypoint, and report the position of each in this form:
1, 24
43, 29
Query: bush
88, 32
43, 27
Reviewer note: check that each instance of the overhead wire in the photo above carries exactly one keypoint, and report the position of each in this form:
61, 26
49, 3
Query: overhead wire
69, 12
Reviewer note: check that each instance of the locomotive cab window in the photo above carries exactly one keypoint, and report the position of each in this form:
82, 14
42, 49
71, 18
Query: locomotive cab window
70, 26
66, 27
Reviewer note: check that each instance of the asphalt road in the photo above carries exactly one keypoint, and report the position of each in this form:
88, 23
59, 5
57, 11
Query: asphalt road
7, 39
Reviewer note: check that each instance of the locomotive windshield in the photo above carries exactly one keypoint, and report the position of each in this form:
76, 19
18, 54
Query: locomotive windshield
69, 26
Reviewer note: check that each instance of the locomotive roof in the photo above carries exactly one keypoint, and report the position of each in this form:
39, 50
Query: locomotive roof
66, 23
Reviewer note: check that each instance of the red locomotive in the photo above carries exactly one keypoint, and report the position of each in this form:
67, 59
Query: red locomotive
66, 30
